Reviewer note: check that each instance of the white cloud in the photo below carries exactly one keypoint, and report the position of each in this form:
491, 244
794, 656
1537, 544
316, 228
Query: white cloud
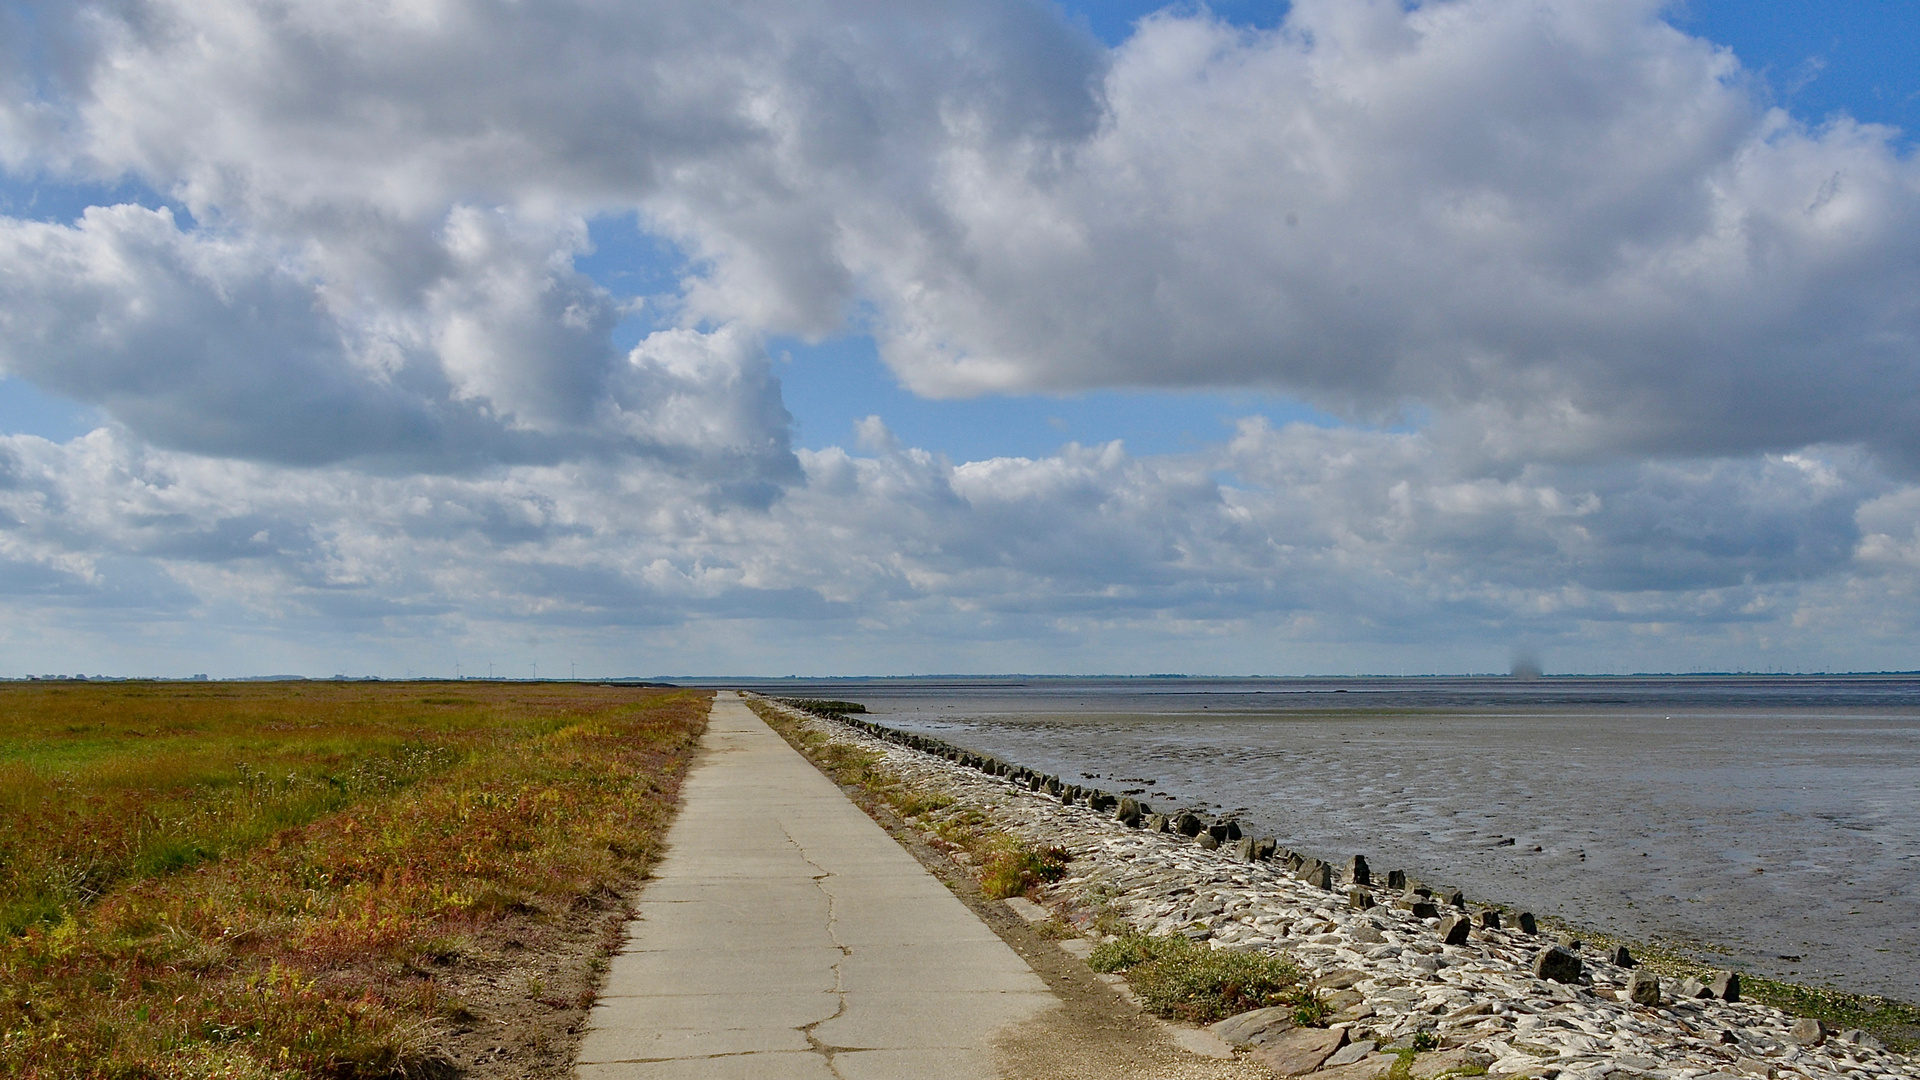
1659, 340
1564, 225
1348, 546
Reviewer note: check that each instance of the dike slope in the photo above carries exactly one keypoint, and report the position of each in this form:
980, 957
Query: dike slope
1406, 972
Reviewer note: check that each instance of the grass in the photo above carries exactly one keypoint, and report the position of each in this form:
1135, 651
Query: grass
1180, 980
1013, 868
258, 880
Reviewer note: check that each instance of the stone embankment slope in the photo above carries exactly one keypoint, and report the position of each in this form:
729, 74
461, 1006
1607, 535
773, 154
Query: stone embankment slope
1406, 973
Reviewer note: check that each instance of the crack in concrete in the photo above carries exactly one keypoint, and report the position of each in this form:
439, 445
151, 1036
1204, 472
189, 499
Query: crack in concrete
839, 977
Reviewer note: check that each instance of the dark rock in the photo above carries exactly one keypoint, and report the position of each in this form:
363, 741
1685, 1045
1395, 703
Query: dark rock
1489, 918
1397, 879
1421, 907
1808, 1031
1358, 872
1622, 958
1556, 964
1725, 985
1524, 923
1128, 813
1264, 848
1188, 825
1454, 929
1571, 943
1233, 829
1207, 840
1359, 899
1295, 861
1643, 988
1100, 802
1456, 899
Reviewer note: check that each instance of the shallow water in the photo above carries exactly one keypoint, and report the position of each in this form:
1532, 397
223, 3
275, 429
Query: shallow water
1772, 822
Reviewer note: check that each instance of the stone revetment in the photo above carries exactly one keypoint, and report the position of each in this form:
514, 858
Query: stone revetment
1475, 989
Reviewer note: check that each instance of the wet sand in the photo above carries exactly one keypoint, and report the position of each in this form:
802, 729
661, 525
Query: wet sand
1772, 824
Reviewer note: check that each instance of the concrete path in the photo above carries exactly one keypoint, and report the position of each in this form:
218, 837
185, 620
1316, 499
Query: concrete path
785, 935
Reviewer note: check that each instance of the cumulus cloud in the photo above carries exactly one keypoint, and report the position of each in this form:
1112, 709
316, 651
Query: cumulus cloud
1656, 340
1566, 225
1280, 544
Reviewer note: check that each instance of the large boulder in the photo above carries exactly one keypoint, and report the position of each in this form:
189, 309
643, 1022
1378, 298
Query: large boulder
1808, 1031
1128, 813
1524, 923
1358, 872
1489, 918
1301, 1050
1556, 964
1725, 985
1255, 1028
1320, 876
1454, 929
1397, 879
1359, 899
1207, 840
1420, 906
1643, 988
1186, 824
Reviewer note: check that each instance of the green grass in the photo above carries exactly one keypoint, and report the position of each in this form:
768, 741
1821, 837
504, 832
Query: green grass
1181, 980
1013, 868
253, 879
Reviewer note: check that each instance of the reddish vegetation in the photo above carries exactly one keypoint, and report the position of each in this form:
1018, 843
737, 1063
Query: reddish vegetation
277, 880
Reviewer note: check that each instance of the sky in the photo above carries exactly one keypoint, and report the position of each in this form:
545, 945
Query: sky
830, 337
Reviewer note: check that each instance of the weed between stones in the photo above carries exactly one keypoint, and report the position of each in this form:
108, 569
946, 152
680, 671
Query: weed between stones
1177, 979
